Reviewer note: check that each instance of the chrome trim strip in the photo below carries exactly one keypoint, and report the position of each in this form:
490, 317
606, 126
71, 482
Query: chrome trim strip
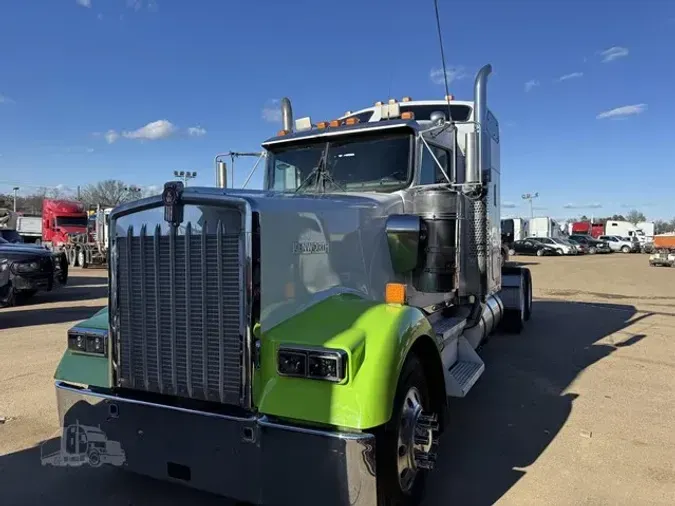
158, 319
143, 306
221, 320
246, 322
88, 332
261, 420
172, 299
130, 236
205, 373
188, 329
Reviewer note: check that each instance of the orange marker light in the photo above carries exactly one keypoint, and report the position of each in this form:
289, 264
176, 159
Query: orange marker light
322, 124
290, 290
449, 98
406, 99
351, 121
408, 115
378, 103
394, 293
335, 123
283, 132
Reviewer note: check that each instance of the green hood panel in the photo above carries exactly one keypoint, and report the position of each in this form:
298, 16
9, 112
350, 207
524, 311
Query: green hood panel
376, 338
86, 369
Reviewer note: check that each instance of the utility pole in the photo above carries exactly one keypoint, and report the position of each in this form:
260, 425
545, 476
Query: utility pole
16, 190
185, 175
531, 197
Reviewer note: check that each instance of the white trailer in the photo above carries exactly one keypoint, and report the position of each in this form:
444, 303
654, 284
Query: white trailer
544, 226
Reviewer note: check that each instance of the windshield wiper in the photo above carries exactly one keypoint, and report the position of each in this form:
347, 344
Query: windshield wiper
322, 174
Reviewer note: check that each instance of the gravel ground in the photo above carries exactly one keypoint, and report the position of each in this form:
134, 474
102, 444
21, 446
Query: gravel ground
578, 409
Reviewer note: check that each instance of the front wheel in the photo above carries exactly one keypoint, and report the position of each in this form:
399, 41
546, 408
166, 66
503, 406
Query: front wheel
592, 251
406, 444
540, 252
560, 251
625, 249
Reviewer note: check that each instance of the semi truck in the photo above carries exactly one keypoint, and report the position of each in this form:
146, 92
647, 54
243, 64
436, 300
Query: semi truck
63, 227
329, 316
544, 226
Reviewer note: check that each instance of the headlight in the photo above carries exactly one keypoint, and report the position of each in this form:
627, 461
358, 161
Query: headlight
3, 264
312, 363
26, 266
90, 341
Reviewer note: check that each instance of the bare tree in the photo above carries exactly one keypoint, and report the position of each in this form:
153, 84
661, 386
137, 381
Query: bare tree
109, 193
635, 216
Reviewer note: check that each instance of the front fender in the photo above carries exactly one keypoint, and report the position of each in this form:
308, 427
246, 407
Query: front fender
86, 369
376, 338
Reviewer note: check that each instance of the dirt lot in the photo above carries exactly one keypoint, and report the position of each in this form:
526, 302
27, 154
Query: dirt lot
579, 409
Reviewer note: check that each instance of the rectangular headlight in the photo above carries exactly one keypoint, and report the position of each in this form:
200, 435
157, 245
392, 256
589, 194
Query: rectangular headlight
90, 341
312, 363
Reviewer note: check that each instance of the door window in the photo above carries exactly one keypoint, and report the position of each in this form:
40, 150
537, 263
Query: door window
430, 172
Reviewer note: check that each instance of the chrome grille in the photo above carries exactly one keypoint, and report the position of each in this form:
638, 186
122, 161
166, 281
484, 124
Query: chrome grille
179, 302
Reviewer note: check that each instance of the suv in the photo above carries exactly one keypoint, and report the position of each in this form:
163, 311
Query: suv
29, 269
592, 245
622, 244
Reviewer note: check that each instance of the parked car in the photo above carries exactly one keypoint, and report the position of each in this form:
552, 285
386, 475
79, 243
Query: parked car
622, 244
4, 279
29, 269
562, 247
593, 245
531, 247
582, 249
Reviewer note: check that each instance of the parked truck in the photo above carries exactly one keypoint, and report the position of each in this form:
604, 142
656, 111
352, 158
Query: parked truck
329, 316
544, 226
595, 230
664, 251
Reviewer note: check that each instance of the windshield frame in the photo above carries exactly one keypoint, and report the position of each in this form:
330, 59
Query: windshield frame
320, 143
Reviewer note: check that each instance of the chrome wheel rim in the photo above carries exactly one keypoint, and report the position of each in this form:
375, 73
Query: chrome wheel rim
416, 439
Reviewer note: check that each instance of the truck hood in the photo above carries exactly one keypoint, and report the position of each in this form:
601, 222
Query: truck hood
72, 230
316, 246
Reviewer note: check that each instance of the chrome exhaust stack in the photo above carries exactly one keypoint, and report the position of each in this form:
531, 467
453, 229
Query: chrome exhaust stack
286, 114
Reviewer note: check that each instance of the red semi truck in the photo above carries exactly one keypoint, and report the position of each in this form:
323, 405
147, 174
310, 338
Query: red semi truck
61, 221
586, 227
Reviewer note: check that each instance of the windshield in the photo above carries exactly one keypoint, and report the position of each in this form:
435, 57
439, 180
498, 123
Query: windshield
71, 221
364, 162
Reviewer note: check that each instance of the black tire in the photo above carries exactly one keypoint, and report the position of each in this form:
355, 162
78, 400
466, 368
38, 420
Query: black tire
625, 249
527, 278
512, 252
592, 250
82, 259
560, 251
540, 252
94, 458
389, 490
12, 297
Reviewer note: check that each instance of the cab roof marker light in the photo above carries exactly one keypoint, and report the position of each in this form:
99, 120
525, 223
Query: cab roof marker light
390, 111
302, 124
393, 101
281, 133
322, 124
449, 98
335, 123
406, 99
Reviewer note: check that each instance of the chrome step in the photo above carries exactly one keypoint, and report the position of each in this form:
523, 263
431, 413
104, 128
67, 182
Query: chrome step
466, 374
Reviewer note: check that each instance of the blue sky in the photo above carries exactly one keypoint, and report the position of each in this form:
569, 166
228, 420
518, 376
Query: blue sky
134, 89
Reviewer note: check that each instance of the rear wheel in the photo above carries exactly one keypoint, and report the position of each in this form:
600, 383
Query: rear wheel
82, 259
406, 444
625, 249
540, 252
527, 279
592, 251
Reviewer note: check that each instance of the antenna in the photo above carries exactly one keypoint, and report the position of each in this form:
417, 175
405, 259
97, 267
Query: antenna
445, 72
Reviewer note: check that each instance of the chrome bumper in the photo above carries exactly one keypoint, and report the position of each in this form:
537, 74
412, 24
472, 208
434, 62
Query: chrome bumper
248, 459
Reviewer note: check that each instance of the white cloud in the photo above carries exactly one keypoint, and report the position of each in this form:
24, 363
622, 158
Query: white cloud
272, 112
573, 75
623, 111
84, 3
452, 73
613, 53
111, 136
4, 99
593, 205
196, 131
508, 205
532, 83
137, 5
155, 130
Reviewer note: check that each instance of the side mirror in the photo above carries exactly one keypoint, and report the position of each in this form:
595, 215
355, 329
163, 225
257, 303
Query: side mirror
403, 236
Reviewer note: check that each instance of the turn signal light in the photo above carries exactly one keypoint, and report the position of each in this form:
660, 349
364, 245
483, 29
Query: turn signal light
408, 115
394, 293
